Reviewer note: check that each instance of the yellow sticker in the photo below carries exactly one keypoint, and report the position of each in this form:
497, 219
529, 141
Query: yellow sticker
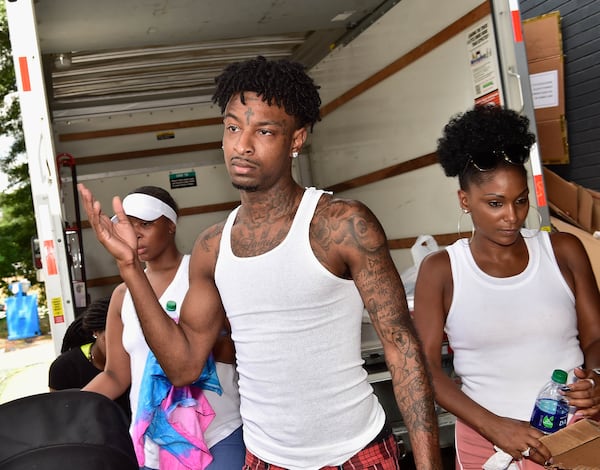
58, 313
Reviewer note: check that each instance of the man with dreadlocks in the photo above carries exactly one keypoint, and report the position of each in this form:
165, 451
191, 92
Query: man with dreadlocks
292, 269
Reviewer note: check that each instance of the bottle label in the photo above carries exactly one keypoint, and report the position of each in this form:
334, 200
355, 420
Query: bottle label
549, 415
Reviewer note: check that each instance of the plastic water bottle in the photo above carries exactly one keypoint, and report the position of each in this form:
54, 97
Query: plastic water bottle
551, 409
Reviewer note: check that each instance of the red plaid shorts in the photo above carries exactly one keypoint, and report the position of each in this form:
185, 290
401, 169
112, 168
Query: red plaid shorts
382, 455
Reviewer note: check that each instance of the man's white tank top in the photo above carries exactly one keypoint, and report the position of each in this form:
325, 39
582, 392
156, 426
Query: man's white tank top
305, 399
509, 334
226, 406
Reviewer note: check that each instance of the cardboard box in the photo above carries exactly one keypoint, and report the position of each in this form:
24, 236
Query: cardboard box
575, 447
538, 43
591, 245
543, 44
553, 141
577, 205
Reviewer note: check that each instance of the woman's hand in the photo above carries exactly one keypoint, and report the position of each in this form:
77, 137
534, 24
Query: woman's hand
584, 394
518, 439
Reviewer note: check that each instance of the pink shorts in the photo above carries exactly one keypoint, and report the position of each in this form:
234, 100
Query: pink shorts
472, 450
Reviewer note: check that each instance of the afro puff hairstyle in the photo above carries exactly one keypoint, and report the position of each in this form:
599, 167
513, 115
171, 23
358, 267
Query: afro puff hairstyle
484, 128
282, 82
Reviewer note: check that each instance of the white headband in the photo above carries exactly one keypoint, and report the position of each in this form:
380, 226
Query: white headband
148, 208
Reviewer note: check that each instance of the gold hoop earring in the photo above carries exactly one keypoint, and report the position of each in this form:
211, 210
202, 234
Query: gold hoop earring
530, 233
460, 236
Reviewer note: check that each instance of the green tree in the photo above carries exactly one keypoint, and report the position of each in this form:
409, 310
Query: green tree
17, 221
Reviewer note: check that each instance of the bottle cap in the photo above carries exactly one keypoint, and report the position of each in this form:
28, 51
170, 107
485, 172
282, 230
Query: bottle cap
559, 376
172, 306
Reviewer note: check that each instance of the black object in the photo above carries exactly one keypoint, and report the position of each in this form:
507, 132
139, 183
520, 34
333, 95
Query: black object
65, 430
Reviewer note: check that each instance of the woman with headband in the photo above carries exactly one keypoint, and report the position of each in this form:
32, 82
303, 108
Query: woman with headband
515, 303
198, 426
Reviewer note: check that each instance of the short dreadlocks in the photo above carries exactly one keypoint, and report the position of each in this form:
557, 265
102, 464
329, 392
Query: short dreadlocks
282, 82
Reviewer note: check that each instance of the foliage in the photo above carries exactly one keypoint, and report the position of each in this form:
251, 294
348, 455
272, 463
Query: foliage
17, 221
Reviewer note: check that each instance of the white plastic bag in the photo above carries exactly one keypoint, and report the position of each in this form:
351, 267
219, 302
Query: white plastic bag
424, 245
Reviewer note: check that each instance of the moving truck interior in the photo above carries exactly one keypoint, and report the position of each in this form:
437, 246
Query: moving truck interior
117, 95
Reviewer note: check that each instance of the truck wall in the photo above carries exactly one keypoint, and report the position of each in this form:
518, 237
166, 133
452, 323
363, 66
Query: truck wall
397, 120
392, 122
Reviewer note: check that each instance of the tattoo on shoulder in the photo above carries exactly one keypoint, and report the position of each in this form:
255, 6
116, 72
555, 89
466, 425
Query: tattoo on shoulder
344, 221
210, 237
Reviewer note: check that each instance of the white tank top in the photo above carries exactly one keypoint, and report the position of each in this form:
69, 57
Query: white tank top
509, 334
305, 399
226, 406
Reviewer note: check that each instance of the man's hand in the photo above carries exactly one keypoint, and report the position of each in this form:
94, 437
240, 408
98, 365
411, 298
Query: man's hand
118, 237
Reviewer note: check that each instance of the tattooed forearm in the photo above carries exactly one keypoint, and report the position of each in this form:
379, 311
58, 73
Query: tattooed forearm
413, 389
414, 395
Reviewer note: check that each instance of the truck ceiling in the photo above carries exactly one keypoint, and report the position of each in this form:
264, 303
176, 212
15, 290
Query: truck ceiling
116, 54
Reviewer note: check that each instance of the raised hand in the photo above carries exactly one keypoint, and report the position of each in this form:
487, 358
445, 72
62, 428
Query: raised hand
118, 237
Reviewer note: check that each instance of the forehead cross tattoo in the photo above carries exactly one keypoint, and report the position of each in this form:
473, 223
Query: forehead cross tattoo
249, 114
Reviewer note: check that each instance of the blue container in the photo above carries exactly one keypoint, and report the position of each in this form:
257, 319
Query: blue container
22, 319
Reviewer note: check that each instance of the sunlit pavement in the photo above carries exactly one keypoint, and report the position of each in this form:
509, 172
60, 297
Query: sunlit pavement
24, 370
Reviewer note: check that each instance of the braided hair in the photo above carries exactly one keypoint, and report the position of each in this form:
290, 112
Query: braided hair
484, 128
81, 330
75, 335
282, 82
94, 317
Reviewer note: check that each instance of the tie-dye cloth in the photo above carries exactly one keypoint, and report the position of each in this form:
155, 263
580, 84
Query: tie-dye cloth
175, 418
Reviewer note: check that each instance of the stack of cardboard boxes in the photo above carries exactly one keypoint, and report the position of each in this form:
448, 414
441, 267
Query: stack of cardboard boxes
577, 209
543, 43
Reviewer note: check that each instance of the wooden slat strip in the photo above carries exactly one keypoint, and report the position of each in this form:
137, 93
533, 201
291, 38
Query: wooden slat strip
163, 126
388, 172
442, 239
208, 208
193, 210
155, 152
103, 281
